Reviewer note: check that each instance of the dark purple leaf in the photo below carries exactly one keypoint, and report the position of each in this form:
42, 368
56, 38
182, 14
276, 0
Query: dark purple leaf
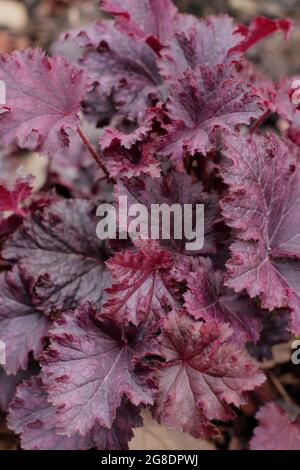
208, 299
22, 326
265, 256
92, 365
59, 249
203, 100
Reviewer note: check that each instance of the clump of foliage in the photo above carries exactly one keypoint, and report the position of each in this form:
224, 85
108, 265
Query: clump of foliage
161, 107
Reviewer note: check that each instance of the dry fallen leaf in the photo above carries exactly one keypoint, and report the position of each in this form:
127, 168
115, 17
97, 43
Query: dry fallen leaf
10, 42
13, 15
155, 437
36, 165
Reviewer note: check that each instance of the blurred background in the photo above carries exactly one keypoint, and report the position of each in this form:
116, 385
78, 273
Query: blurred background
39, 23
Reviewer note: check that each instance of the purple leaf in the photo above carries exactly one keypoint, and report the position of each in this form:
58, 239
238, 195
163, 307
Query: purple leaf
208, 43
287, 105
125, 71
8, 386
121, 432
22, 326
275, 331
151, 20
207, 299
263, 85
74, 169
33, 417
60, 250
265, 256
130, 154
43, 98
173, 188
91, 365
203, 374
203, 100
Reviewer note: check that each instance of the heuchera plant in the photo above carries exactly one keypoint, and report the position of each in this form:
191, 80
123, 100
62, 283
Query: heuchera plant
171, 111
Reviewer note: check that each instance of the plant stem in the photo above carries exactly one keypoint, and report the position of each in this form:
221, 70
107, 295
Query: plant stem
93, 152
280, 388
260, 121
48, 170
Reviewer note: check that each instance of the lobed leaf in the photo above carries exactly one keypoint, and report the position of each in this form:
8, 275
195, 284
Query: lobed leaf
91, 365
277, 430
265, 255
58, 247
22, 326
43, 97
203, 375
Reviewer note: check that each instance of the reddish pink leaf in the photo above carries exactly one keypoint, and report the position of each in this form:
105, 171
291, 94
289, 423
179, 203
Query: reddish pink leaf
140, 284
11, 200
277, 430
260, 28
203, 374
